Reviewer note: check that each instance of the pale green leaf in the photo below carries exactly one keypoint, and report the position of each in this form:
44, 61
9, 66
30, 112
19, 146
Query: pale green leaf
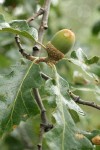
64, 135
79, 58
79, 54
57, 88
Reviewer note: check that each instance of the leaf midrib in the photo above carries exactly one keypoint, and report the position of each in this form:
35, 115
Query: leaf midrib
61, 104
14, 102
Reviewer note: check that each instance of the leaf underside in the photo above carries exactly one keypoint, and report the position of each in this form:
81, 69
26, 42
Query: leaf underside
64, 135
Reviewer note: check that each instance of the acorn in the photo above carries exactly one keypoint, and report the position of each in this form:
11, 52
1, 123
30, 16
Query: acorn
60, 44
96, 140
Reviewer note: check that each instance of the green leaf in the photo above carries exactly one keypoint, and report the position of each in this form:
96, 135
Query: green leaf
80, 59
18, 27
86, 88
64, 134
93, 60
74, 115
97, 147
19, 24
11, 143
57, 88
91, 134
16, 99
95, 69
2, 18
81, 56
4, 61
79, 78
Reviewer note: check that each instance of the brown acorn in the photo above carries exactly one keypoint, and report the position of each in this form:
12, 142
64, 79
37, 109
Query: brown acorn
60, 44
96, 140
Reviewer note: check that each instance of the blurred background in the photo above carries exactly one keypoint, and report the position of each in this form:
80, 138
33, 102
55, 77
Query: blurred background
83, 18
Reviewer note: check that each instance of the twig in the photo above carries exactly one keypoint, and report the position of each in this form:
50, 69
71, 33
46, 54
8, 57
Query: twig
44, 126
17, 39
28, 56
43, 26
43, 116
80, 101
40, 12
21, 50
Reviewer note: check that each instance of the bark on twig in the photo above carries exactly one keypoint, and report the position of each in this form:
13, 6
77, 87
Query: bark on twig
44, 126
43, 26
40, 12
80, 101
28, 56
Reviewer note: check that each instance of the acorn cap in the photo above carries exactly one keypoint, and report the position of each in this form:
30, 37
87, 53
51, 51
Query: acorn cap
53, 53
63, 40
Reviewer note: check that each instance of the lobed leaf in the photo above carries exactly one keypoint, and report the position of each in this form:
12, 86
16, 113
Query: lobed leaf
79, 58
57, 88
64, 134
16, 99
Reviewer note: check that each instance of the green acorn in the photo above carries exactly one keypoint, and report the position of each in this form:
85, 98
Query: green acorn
60, 44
